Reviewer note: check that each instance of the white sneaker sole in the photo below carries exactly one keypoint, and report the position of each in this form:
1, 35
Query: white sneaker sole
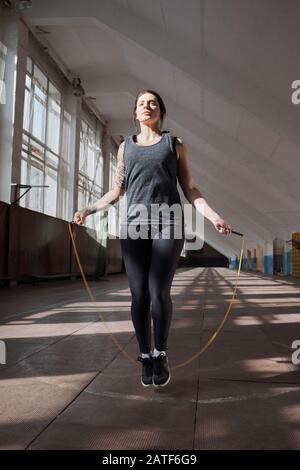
162, 385
146, 385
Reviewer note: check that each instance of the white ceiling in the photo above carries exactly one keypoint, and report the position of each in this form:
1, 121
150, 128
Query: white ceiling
224, 70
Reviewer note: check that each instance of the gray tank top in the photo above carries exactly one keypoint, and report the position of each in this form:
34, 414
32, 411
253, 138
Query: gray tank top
151, 182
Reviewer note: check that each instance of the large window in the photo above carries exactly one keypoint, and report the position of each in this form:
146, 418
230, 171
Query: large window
90, 177
41, 140
3, 54
114, 211
66, 178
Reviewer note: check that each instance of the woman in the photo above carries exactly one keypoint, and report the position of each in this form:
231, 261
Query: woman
148, 167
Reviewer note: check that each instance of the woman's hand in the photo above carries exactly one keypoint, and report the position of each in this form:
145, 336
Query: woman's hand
80, 216
221, 226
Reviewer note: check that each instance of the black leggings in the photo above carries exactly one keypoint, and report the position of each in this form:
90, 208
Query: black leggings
150, 265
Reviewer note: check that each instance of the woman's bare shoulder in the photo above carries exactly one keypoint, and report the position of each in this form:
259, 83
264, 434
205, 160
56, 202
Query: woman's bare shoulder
178, 146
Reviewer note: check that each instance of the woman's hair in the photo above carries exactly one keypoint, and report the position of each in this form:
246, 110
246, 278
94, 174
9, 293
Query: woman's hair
162, 106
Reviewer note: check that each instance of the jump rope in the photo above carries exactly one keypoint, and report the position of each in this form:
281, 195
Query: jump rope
114, 339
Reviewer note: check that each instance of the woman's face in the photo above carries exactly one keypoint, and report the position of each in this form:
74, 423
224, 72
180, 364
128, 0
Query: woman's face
147, 109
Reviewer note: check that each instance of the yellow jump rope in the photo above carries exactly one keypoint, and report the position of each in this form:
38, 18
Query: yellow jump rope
114, 339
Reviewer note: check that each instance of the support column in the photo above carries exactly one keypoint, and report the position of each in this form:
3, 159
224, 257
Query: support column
9, 34
19, 106
75, 151
106, 162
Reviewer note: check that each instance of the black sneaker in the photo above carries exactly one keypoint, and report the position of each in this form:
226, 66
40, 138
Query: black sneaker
147, 370
161, 371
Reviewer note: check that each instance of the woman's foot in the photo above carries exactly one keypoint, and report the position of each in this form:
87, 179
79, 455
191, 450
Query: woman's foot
161, 371
147, 370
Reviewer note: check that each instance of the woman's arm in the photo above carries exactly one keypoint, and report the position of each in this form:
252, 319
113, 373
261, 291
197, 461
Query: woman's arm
112, 196
192, 193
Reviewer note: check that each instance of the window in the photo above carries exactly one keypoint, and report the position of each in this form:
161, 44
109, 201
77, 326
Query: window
6, 55
41, 141
66, 178
114, 211
3, 54
90, 177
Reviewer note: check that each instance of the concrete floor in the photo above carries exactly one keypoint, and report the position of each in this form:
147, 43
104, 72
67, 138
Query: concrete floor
66, 386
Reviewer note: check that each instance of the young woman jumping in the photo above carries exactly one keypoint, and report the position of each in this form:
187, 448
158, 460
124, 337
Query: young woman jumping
149, 165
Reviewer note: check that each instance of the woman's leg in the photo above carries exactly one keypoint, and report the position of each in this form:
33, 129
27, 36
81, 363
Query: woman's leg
165, 255
137, 259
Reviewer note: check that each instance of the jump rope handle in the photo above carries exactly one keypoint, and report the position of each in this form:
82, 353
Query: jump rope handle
237, 233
